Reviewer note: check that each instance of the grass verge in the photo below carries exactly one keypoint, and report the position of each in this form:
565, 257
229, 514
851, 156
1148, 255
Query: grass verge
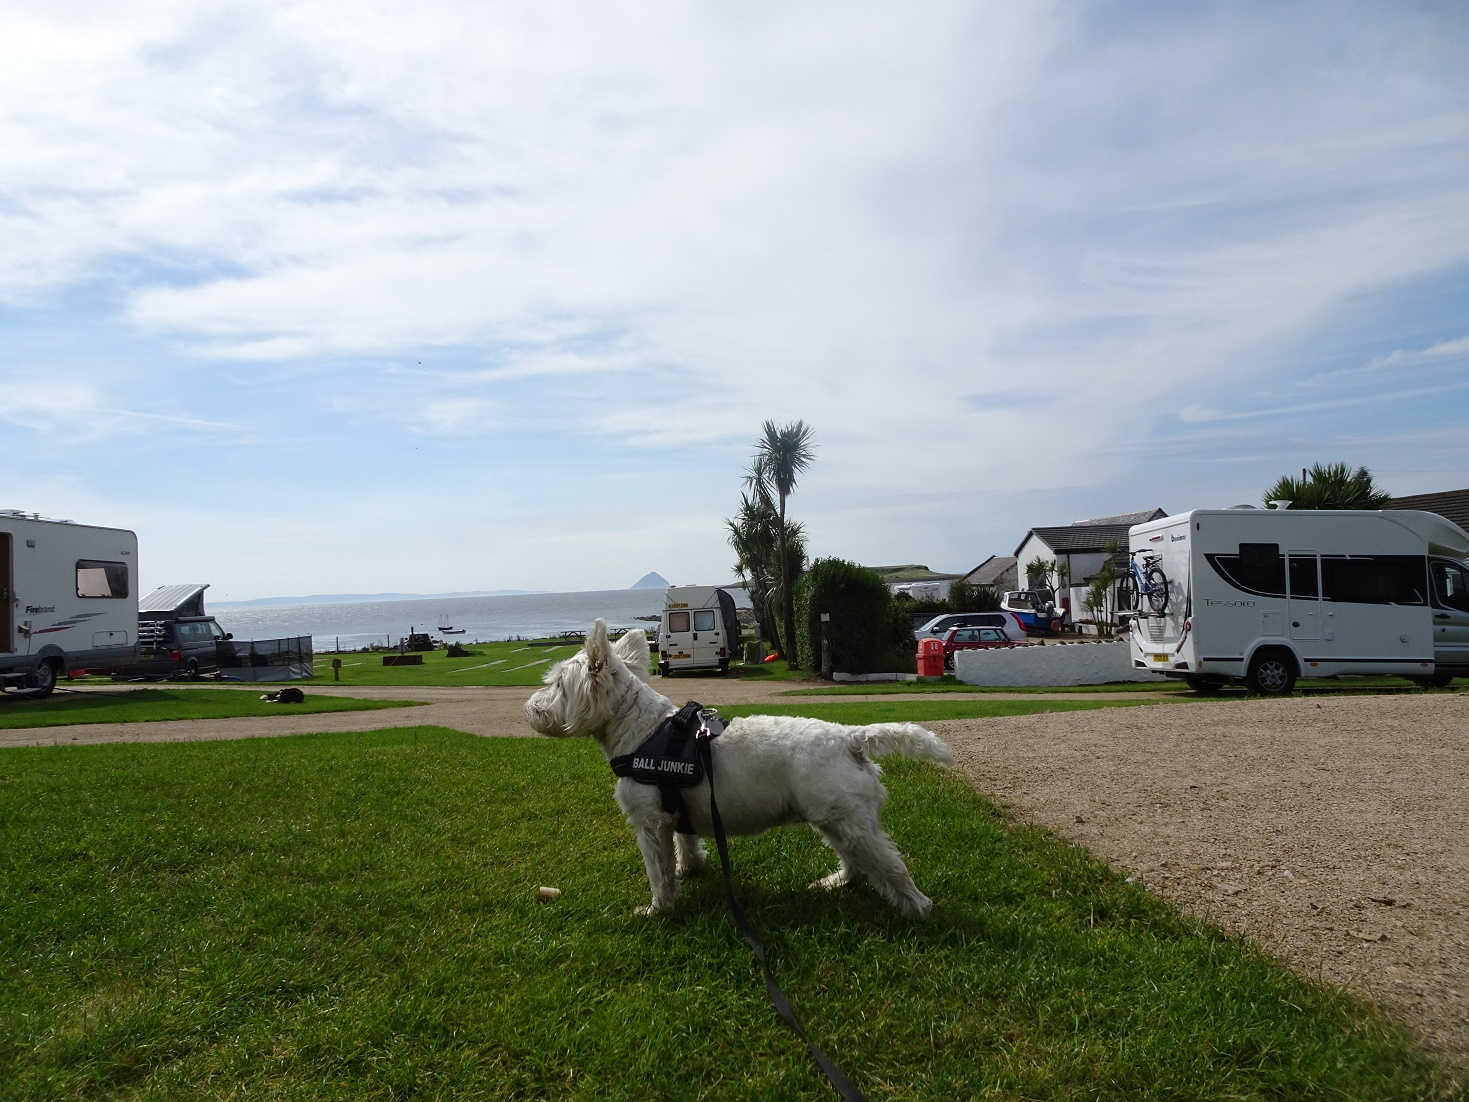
355, 916
152, 705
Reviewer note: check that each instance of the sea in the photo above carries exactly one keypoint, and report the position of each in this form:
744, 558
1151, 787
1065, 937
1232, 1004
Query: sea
484, 619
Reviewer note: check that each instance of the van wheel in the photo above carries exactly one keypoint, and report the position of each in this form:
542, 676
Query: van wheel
1272, 673
43, 678
724, 667
191, 670
662, 669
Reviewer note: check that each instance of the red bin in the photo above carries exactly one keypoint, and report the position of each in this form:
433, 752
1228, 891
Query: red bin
931, 658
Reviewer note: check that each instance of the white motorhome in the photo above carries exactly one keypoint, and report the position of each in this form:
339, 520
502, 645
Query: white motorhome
698, 630
68, 599
1269, 596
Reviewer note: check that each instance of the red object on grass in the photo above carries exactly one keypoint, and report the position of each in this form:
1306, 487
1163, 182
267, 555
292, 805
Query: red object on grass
771, 657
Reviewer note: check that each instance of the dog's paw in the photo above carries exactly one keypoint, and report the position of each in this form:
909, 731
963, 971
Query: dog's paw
652, 910
839, 879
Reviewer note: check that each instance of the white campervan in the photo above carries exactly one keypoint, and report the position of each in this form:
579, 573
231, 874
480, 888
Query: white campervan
68, 599
699, 629
1269, 596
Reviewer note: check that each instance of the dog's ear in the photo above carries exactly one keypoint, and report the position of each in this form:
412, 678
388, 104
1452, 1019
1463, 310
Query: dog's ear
599, 651
632, 648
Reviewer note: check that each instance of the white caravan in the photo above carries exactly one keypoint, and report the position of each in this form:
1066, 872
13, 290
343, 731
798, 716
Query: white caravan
1267, 596
68, 599
699, 629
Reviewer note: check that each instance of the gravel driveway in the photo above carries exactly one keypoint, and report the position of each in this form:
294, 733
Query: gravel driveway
1331, 830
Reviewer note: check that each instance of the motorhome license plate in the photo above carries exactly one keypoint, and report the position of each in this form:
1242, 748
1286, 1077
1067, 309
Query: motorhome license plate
1159, 657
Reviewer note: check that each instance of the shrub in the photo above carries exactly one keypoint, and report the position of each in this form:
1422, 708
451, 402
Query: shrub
964, 597
867, 632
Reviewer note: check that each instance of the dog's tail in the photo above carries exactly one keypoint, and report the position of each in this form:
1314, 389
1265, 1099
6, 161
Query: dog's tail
908, 739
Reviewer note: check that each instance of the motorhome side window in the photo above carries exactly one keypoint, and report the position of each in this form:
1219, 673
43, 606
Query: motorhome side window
1258, 568
1451, 585
704, 619
1303, 576
1374, 579
678, 621
101, 579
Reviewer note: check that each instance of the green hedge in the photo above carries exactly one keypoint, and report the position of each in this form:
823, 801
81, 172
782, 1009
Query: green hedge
867, 633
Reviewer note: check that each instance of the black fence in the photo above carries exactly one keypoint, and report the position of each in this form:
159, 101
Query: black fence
266, 659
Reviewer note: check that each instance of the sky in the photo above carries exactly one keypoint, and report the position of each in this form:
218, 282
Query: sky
352, 299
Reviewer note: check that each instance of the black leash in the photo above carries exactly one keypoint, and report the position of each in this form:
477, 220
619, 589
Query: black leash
843, 1085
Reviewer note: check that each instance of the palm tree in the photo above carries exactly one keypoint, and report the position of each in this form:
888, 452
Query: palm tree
752, 535
1329, 486
782, 453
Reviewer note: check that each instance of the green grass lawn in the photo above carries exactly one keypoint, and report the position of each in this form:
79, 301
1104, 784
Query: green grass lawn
150, 705
355, 916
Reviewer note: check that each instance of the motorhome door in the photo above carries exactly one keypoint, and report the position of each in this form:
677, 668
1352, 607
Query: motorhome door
1303, 598
706, 633
1450, 611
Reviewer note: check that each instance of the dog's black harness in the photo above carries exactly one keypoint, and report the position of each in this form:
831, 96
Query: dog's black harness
676, 756
670, 758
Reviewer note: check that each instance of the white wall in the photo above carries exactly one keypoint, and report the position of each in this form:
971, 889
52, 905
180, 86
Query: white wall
1052, 664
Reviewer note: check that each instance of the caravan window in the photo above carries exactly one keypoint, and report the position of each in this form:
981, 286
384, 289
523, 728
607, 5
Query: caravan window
102, 579
678, 621
704, 619
1374, 579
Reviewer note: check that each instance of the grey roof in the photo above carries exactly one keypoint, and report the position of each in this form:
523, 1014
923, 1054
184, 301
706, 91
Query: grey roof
1127, 520
1078, 538
1094, 534
1451, 504
991, 570
168, 598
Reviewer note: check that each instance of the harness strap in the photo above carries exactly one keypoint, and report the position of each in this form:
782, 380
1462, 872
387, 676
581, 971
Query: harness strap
840, 1082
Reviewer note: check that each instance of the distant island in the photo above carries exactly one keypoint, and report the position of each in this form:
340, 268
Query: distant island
651, 580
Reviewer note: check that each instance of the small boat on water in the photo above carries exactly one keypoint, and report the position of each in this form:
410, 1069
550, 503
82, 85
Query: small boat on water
450, 630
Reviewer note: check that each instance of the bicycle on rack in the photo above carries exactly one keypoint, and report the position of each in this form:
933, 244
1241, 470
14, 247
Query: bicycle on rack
1143, 580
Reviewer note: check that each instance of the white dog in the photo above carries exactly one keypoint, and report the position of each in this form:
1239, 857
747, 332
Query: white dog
770, 770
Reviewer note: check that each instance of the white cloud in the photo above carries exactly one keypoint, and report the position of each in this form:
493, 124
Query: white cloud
645, 228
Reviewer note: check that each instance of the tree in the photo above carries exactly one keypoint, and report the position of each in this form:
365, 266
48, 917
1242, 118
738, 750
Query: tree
754, 535
782, 453
1329, 486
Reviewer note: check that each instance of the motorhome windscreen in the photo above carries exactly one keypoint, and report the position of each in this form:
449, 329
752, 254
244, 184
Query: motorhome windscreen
102, 579
678, 621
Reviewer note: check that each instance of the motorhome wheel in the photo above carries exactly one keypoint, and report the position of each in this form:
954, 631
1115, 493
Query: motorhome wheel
1272, 673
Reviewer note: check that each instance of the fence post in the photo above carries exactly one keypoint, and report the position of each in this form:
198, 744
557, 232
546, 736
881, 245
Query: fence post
826, 645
